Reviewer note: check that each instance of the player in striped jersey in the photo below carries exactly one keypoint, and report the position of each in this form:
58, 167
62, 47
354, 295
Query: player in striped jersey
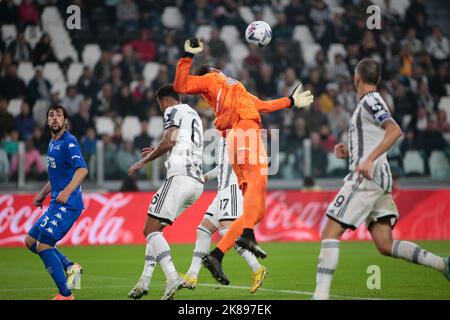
183, 139
225, 208
366, 194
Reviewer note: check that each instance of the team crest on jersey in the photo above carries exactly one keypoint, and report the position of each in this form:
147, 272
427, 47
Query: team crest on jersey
232, 81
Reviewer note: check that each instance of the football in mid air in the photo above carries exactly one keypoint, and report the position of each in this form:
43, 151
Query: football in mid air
258, 33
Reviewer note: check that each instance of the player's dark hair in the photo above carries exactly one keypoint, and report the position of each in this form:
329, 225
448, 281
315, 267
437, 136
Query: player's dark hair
167, 90
369, 70
57, 107
203, 69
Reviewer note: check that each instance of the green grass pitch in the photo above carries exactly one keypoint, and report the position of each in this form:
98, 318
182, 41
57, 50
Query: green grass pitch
111, 271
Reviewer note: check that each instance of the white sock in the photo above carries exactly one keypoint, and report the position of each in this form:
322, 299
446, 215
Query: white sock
328, 261
245, 254
413, 253
149, 265
161, 251
201, 248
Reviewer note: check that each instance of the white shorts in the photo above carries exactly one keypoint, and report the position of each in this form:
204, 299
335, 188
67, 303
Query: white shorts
226, 206
176, 194
358, 202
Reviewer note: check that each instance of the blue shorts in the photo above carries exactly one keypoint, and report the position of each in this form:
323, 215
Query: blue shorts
54, 224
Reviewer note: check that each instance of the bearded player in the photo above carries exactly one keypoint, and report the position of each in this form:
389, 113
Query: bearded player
237, 117
66, 170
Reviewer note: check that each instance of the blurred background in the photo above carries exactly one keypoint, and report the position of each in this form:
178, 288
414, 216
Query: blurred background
107, 72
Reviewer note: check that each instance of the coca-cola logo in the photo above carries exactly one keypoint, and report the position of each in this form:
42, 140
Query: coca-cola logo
105, 226
300, 219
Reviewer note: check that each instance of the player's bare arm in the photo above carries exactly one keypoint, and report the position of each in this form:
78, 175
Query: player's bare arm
77, 180
165, 145
40, 197
392, 133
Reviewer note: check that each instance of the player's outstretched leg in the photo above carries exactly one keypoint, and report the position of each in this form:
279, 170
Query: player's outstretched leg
259, 272
141, 287
254, 207
201, 248
213, 262
381, 232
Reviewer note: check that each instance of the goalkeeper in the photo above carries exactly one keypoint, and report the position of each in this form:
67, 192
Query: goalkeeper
237, 117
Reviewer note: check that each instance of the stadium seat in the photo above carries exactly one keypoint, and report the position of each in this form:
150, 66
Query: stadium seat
444, 104
151, 70
33, 34
172, 18
439, 166
9, 33
104, 125
269, 16
91, 54
50, 16
14, 106
334, 49
53, 73
229, 34
204, 32
25, 71
238, 53
74, 72
131, 127
309, 51
61, 87
413, 163
39, 112
336, 167
246, 14
303, 35
155, 127
66, 51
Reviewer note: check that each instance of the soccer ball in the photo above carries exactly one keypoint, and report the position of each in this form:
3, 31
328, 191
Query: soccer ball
258, 33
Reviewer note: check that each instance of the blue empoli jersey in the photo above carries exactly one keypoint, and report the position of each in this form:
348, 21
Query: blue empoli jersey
63, 159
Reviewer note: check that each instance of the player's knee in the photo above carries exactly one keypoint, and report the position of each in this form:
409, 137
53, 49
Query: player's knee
42, 246
29, 242
384, 249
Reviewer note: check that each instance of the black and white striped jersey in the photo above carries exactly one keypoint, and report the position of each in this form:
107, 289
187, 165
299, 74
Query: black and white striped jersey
186, 157
365, 134
225, 173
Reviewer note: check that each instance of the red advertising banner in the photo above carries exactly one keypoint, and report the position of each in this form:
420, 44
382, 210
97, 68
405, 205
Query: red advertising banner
118, 218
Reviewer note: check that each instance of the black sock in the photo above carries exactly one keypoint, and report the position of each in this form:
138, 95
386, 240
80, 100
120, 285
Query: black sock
216, 253
249, 234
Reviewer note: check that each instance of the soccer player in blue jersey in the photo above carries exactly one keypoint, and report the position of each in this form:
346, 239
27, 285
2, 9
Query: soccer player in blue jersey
66, 170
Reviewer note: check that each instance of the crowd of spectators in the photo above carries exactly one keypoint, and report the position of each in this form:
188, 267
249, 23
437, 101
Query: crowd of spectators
413, 52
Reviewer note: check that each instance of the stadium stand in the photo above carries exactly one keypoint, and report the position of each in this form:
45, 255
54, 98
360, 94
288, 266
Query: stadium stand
302, 49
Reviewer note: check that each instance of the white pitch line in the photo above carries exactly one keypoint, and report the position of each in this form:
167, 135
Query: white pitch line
296, 292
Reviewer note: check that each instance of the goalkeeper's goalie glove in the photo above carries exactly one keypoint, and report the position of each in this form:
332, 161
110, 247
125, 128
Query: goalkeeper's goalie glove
193, 46
301, 99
